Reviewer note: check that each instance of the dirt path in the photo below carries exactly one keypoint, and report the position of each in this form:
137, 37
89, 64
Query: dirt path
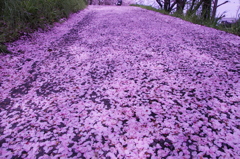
121, 82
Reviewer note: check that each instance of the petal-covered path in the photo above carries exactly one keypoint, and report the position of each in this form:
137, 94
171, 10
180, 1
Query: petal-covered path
121, 82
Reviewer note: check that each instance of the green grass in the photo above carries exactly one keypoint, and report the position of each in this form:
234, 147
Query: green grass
234, 28
24, 16
150, 8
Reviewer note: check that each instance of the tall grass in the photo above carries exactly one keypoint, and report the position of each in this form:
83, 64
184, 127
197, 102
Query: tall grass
19, 16
197, 19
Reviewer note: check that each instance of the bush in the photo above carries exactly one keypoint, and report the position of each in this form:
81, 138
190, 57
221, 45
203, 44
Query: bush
19, 16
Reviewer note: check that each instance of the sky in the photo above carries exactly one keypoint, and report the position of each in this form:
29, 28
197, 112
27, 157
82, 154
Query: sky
231, 8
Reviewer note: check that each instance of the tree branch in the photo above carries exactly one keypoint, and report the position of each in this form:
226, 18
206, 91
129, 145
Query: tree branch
223, 3
159, 3
170, 9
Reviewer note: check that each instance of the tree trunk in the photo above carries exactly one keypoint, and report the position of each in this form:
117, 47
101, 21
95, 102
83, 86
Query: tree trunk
159, 3
192, 5
215, 6
206, 9
180, 6
167, 5
214, 11
192, 10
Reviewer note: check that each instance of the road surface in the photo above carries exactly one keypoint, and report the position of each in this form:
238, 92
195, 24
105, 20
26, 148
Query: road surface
121, 82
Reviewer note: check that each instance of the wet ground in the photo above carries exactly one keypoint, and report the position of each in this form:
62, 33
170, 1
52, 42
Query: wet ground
121, 82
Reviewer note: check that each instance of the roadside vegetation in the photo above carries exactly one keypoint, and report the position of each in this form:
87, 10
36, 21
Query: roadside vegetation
197, 16
18, 17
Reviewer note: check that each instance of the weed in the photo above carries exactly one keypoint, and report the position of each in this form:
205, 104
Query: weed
19, 16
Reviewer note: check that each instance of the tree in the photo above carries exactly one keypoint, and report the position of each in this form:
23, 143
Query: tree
166, 5
206, 9
194, 7
215, 6
180, 6
159, 3
169, 5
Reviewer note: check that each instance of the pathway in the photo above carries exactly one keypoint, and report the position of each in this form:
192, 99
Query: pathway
121, 82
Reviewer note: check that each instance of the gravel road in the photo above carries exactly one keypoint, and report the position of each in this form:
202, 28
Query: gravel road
121, 82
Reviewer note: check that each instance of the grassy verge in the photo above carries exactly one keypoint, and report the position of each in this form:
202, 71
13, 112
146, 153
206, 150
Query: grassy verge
23, 16
233, 28
150, 8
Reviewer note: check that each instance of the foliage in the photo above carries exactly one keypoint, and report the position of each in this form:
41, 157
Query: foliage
233, 28
19, 16
198, 19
